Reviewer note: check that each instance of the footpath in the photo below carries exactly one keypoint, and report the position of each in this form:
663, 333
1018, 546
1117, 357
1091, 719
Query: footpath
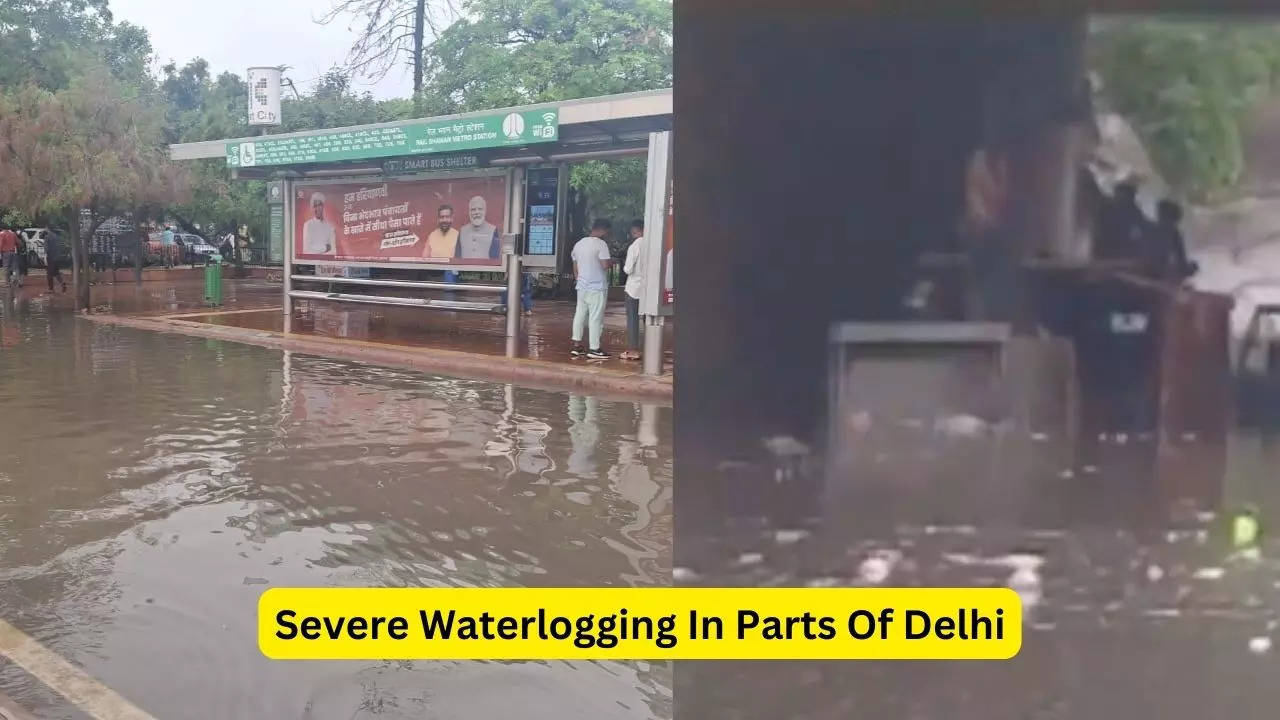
459, 344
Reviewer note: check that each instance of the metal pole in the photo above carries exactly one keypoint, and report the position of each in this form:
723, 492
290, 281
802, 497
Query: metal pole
513, 295
653, 345
286, 277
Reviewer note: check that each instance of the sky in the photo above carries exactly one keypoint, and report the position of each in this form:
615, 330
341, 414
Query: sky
237, 34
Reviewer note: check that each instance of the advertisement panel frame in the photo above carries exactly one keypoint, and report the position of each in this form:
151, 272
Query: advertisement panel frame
546, 262
301, 185
658, 207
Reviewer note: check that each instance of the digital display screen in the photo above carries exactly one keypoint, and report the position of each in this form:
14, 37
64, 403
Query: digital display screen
542, 194
542, 230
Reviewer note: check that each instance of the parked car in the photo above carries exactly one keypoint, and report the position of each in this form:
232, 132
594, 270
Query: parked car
195, 249
35, 240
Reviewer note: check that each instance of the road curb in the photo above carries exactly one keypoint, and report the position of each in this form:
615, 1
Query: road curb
538, 374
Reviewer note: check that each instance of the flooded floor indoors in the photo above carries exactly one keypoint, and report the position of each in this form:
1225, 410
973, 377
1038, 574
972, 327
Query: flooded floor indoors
1141, 600
153, 485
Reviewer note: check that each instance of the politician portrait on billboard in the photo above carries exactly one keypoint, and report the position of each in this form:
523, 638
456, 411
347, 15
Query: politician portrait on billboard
454, 221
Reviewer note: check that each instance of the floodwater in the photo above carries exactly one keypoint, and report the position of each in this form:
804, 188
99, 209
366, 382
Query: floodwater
153, 485
1140, 603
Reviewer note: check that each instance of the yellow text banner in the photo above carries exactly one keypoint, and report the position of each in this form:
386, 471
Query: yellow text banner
640, 623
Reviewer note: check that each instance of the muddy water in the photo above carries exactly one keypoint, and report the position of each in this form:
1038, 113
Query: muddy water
1140, 603
152, 486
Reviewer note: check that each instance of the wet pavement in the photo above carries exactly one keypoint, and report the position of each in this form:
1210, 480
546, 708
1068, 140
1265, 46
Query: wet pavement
1139, 605
155, 484
255, 304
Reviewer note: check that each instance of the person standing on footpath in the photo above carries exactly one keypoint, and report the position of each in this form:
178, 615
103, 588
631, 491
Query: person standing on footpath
634, 268
52, 255
9, 255
591, 263
166, 242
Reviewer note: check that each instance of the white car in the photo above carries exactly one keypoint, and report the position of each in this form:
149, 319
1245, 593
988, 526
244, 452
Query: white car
195, 249
35, 240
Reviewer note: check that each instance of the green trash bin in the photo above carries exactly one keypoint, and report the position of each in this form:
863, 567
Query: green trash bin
213, 282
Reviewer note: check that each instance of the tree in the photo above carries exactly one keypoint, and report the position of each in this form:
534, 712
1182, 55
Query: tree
1187, 87
504, 53
43, 41
96, 145
394, 32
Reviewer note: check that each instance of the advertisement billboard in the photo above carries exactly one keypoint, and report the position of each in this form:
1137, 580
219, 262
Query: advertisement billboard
437, 221
264, 96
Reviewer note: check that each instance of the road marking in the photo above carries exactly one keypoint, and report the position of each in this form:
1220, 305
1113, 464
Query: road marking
97, 700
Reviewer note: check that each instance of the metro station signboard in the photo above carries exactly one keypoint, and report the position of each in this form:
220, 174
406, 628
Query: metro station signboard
475, 133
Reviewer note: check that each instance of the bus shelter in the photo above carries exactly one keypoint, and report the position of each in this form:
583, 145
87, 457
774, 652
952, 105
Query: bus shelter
346, 201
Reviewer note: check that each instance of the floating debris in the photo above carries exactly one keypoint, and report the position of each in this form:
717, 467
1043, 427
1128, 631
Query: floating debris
1154, 573
785, 446
1209, 573
1259, 645
1091, 469
1040, 437
1067, 474
1163, 612
790, 537
1251, 554
961, 426
681, 574
750, 559
1189, 437
1245, 528
949, 530
860, 422
823, 582
876, 568
1026, 582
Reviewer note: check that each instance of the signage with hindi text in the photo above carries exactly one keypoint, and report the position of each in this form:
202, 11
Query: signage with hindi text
488, 131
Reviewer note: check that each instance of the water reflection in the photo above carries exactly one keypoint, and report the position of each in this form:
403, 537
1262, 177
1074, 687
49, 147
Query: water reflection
157, 484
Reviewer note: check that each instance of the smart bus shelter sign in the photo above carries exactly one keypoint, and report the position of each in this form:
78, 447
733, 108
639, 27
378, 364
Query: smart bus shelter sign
488, 131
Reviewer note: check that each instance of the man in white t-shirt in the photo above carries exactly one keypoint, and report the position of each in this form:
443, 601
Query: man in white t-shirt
634, 268
318, 236
591, 262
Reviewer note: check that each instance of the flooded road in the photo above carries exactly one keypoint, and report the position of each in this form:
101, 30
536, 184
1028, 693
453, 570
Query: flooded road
153, 485
1141, 604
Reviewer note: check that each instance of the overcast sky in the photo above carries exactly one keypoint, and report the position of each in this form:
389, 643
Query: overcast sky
237, 34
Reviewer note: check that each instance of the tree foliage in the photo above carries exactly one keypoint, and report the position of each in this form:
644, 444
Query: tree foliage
48, 42
1187, 87
509, 52
517, 52
96, 145
86, 121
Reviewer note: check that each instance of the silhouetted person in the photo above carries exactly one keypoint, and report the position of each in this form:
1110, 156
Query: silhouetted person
1166, 249
1122, 226
52, 258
